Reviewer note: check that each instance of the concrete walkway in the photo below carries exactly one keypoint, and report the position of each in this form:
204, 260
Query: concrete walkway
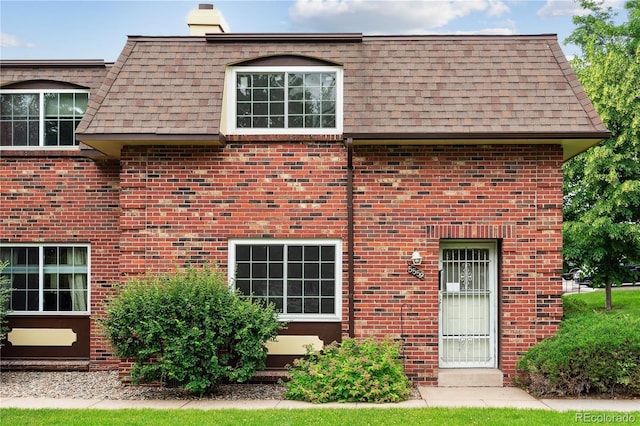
431, 397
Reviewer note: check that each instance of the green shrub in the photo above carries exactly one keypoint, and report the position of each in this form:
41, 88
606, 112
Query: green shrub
365, 371
595, 353
5, 295
190, 328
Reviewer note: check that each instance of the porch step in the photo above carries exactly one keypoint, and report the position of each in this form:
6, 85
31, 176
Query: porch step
469, 377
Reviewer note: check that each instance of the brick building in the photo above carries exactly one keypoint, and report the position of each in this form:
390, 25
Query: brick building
401, 186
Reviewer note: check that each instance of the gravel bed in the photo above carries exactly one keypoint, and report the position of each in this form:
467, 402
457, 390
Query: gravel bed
106, 385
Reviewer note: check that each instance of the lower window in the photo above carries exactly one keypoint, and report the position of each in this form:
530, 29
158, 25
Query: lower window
47, 278
301, 278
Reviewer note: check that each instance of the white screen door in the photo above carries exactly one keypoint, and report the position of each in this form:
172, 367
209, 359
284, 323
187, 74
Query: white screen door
468, 283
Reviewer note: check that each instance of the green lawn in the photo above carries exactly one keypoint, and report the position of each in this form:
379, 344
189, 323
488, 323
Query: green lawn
626, 300
314, 416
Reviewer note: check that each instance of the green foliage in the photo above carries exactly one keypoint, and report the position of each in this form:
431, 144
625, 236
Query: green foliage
602, 186
353, 371
594, 352
189, 327
5, 295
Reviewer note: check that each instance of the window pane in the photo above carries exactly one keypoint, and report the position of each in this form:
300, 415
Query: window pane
243, 122
294, 288
259, 270
259, 288
276, 288
50, 255
51, 105
311, 306
311, 270
260, 122
259, 253
260, 95
19, 281
311, 253
311, 288
276, 270
278, 303
295, 108
327, 306
276, 108
276, 253
243, 253
244, 109
277, 122
243, 270
244, 286
19, 300
261, 109
296, 79
294, 270
67, 133
81, 101
327, 270
294, 253
294, 305
50, 301
327, 288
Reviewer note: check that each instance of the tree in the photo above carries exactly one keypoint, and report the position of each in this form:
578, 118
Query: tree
602, 185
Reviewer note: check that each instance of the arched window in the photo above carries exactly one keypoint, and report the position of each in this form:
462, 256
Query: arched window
41, 113
284, 95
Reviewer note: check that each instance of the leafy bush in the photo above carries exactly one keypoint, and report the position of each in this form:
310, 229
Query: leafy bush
191, 328
365, 371
5, 294
595, 353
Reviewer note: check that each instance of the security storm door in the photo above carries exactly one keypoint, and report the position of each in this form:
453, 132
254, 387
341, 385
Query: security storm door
468, 283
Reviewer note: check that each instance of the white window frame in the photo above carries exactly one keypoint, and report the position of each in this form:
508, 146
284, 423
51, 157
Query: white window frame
41, 136
337, 244
41, 268
230, 101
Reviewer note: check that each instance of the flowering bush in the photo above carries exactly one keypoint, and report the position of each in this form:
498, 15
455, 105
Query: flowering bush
353, 371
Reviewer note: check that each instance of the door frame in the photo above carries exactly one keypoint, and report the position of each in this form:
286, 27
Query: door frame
492, 246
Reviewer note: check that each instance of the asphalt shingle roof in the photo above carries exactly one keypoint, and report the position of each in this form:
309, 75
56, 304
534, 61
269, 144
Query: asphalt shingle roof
392, 85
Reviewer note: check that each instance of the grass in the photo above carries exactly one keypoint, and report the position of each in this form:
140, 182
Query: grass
622, 301
313, 416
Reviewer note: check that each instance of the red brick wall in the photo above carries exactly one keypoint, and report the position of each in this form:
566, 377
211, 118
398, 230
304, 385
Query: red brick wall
181, 205
410, 198
64, 198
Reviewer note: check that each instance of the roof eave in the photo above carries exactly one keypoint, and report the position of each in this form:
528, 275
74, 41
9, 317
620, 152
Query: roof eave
573, 143
111, 144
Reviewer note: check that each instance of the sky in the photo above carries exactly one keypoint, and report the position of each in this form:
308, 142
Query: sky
94, 29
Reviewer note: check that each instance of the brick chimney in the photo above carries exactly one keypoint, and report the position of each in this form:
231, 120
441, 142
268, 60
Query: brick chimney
205, 20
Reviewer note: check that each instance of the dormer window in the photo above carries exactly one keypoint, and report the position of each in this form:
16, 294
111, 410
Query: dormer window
41, 118
284, 100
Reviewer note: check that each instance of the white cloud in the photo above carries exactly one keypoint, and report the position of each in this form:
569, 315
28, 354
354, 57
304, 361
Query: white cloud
571, 8
8, 40
386, 16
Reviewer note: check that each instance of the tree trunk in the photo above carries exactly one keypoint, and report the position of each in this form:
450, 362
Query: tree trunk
607, 296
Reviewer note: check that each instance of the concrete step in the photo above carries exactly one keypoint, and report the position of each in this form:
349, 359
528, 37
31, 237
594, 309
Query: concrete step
469, 377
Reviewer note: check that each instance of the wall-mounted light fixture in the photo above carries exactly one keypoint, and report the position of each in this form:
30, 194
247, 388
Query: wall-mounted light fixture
416, 259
